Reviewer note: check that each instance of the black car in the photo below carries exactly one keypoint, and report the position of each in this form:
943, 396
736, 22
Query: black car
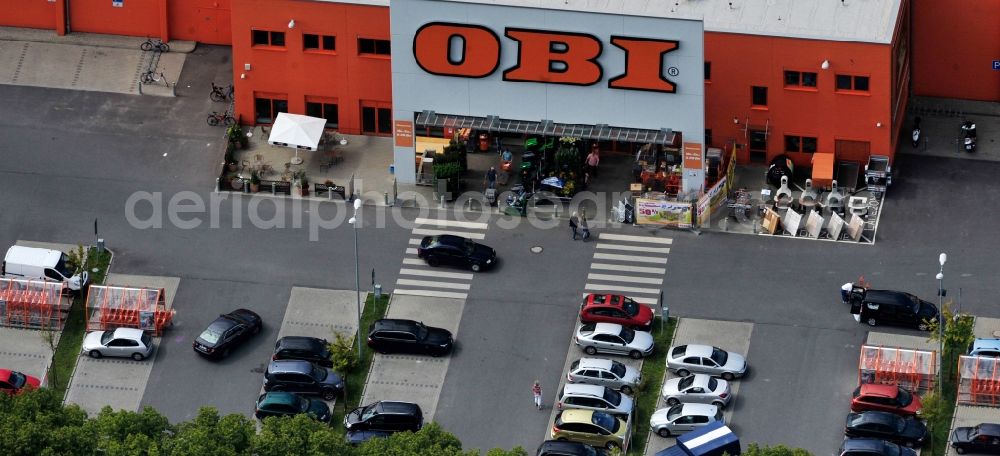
893, 308
227, 332
873, 447
391, 335
566, 448
303, 377
388, 416
884, 425
310, 349
984, 438
456, 251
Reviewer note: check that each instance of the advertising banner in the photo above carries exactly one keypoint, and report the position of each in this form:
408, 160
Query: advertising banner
674, 214
712, 201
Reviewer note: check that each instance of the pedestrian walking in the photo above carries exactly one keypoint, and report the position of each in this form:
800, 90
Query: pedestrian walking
592, 161
574, 222
584, 229
536, 391
491, 177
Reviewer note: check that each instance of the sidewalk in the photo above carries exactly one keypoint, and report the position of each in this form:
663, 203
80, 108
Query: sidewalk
941, 134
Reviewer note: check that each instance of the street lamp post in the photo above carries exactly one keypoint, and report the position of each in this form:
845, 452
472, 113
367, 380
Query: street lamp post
940, 277
357, 271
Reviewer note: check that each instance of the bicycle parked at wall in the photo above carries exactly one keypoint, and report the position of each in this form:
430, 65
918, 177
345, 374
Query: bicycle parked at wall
151, 44
215, 118
221, 93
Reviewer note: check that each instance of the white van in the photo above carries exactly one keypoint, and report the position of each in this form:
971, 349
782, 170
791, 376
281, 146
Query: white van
41, 264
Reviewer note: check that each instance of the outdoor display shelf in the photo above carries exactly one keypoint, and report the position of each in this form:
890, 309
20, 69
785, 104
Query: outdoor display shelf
32, 304
913, 370
979, 381
111, 307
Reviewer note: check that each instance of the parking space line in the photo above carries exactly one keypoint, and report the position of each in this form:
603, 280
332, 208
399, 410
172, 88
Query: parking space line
433, 284
449, 275
456, 233
621, 278
634, 248
600, 287
638, 259
431, 293
451, 223
629, 238
623, 268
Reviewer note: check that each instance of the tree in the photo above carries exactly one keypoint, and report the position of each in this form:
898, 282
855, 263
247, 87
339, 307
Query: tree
431, 440
299, 435
343, 354
37, 423
122, 432
209, 434
957, 334
755, 449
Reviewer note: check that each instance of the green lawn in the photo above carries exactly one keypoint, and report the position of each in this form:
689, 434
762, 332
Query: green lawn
355, 380
941, 424
652, 377
72, 334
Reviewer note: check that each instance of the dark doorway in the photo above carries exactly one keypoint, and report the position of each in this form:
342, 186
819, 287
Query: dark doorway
758, 146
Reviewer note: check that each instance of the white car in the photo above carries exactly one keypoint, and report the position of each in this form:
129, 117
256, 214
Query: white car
705, 359
122, 342
613, 338
594, 397
682, 418
696, 388
605, 372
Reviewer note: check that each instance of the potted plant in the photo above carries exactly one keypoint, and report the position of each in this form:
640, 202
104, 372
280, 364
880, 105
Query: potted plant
302, 182
236, 136
254, 181
230, 158
329, 184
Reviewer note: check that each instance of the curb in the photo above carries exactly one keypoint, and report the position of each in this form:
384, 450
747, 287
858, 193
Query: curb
87, 39
72, 373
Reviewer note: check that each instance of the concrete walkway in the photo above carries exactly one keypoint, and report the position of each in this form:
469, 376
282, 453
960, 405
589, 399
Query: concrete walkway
941, 134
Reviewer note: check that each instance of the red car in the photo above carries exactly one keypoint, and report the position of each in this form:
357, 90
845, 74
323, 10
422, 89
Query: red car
886, 398
606, 308
13, 382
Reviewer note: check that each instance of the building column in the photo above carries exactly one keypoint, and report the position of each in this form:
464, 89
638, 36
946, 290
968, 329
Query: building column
61, 6
164, 20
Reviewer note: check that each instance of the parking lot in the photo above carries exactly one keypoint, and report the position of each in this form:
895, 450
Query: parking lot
415, 378
117, 382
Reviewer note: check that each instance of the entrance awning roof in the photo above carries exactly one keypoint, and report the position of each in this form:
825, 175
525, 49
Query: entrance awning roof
663, 136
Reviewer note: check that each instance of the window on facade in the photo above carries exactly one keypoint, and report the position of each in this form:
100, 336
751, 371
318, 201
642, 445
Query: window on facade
319, 42
800, 79
266, 109
708, 71
326, 111
847, 82
376, 120
804, 144
759, 97
266, 38
373, 46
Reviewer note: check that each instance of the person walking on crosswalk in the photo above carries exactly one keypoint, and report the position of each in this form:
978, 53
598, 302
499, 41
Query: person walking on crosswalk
584, 228
536, 391
574, 223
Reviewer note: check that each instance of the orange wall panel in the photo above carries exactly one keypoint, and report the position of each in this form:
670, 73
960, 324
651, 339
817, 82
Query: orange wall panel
135, 18
955, 44
204, 21
40, 14
741, 61
345, 76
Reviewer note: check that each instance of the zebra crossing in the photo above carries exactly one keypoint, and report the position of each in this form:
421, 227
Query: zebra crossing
418, 279
630, 265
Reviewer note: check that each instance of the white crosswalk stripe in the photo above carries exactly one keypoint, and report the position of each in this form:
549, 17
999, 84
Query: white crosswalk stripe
418, 278
628, 264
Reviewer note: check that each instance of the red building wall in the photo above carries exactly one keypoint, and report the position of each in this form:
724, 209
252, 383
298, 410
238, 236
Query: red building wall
345, 77
40, 14
204, 21
954, 45
741, 61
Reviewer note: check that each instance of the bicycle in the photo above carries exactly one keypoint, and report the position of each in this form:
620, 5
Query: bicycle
221, 93
220, 117
152, 76
151, 44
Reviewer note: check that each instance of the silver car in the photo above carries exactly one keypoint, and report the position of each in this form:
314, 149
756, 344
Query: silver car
122, 342
594, 397
604, 372
682, 418
697, 388
705, 359
613, 338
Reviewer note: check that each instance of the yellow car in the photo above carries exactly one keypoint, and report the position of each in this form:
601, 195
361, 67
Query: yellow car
594, 428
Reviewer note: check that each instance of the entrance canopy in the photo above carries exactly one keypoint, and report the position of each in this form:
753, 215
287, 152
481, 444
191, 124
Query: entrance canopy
663, 136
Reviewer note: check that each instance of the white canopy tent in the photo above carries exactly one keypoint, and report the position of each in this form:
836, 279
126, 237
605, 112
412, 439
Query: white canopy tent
298, 132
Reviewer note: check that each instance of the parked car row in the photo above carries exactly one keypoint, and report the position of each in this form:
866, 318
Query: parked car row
702, 390
884, 421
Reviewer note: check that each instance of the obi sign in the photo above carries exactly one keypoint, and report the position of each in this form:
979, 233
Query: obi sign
473, 51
